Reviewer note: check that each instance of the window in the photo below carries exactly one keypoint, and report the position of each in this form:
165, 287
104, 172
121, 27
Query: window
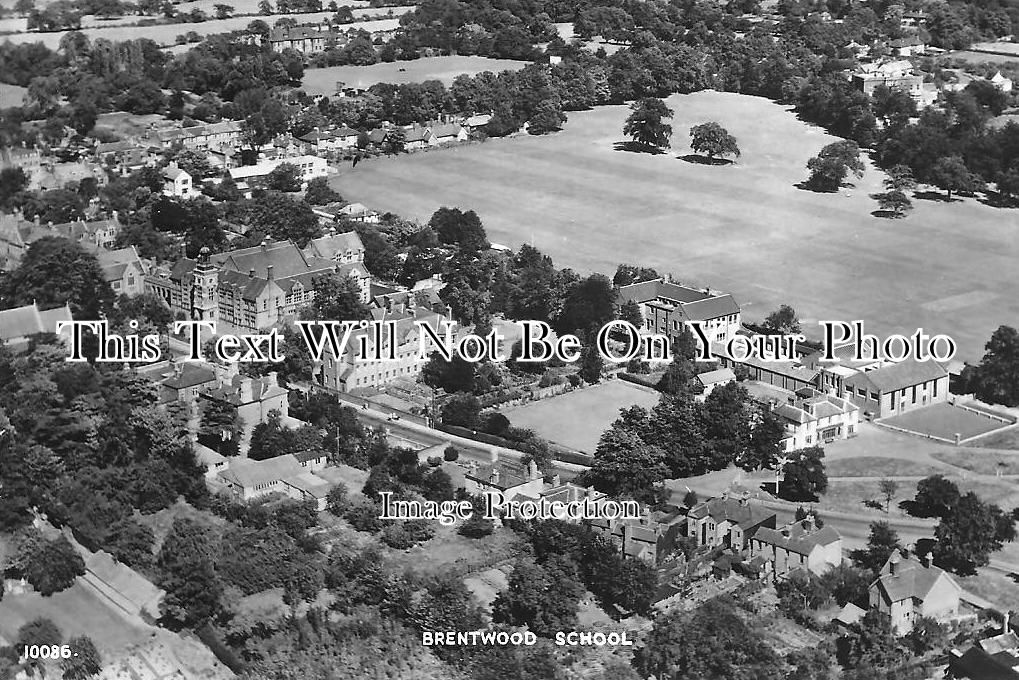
914, 394
875, 396
861, 392
935, 391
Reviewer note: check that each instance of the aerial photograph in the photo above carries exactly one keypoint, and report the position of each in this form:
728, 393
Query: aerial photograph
509, 339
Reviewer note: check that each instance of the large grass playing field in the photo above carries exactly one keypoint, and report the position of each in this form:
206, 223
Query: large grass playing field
744, 228
945, 421
323, 80
578, 418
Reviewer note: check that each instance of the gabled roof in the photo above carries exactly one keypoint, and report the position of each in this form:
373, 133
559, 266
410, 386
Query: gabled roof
448, 130
261, 389
802, 537
249, 473
745, 513
190, 375
721, 375
899, 376
21, 322
115, 262
284, 257
329, 246
418, 134
910, 580
171, 173
696, 305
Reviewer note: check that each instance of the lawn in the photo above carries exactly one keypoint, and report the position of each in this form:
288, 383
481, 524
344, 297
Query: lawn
984, 463
945, 421
876, 466
11, 95
984, 57
577, 419
76, 611
166, 34
1008, 439
449, 551
994, 586
323, 80
742, 228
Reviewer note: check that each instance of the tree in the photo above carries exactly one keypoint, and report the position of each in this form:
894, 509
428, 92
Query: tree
871, 644
223, 11
459, 227
782, 321
995, 379
847, 583
53, 566
195, 163
338, 297
220, 427
264, 7
547, 117
883, 540
589, 304
765, 444
713, 140
131, 542
895, 202
12, 180
283, 218
542, 597
320, 193
646, 124
40, 631
85, 661
625, 465
969, 533
337, 500
935, 496
54, 272
591, 364
395, 141
461, 409
804, 476
833, 164
900, 178
888, 489
284, 177
951, 174
186, 566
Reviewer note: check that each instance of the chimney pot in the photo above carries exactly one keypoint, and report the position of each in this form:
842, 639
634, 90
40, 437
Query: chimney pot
268, 272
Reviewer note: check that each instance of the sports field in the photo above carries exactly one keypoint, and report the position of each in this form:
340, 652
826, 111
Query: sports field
323, 80
945, 421
577, 419
744, 228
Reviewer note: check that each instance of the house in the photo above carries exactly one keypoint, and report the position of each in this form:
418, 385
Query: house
810, 417
17, 234
343, 248
894, 74
350, 373
224, 133
728, 520
993, 658
512, 479
124, 156
331, 140
359, 213
450, 133
285, 474
906, 590
709, 380
419, 138
18, 325
59, 175
1001, 82
29, 159
93, 235
123, 269
798, 545
251, 289
306, 39
666, 308
909, 46
252, 398
790, 375
177, 182
185, 379
477, 122
308, 168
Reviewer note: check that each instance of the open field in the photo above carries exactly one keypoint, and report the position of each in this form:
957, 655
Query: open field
323, 80
11, 95
945, 421
1009, 439
992, 585
875, 466
989, 463
849, 495
972, 57
577, 419
166, 34
743, 228
77, 611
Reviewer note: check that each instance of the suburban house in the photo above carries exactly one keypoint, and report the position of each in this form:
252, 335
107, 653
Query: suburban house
16, 234
512, 479
308, 168
253, 398
349, 373
666, 307
100, 234
224, 133
123, 269
343, 248
1001, 82
251, 289
306, 39
18, 325
289, 474
728, 520
798, 545
177, 182
906, 590
184, 379
449, 133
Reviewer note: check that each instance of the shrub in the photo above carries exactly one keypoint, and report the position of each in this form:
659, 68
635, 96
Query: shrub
451, 453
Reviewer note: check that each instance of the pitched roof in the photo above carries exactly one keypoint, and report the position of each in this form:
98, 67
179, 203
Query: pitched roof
115, 262
21, 322
910, 580
329, 246
696, 305
721, 375
900, 375
285, 258
745, 513
189, 375
172, 173
447, 130
231, 392
802, 537
248, 473
418, 134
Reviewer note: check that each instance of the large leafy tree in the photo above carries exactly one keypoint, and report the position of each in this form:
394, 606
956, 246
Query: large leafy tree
996, 378
55, 272
646, 124
969, 533
542, 597
713, 140
951, 174
936, 496
804, 475
881, 543
85, 661
833, 164
625, 465
186, 565
53, 566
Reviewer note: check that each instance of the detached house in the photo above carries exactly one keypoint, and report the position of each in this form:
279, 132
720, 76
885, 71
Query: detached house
907, 590
177, 182
798, 545
253, 398
728, 521
123, 269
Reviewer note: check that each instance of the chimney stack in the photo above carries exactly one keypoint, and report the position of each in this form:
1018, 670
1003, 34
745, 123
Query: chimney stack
251, 273
532, 470
268, 272
555, 480
494, 477
893, 562
245, 391
928, 560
